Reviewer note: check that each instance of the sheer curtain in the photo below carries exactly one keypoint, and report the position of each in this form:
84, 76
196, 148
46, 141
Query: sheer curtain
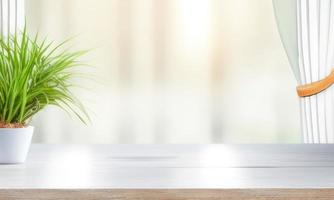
11, 16
172, 71
310, 41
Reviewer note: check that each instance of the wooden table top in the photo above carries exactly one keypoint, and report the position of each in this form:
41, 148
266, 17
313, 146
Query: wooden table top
172, 166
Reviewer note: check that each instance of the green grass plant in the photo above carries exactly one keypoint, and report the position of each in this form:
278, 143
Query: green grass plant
34, 74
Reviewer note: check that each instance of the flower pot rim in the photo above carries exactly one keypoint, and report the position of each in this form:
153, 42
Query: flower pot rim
26, 127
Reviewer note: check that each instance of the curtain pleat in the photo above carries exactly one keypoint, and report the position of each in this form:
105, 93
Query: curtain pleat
315, 48
11, 16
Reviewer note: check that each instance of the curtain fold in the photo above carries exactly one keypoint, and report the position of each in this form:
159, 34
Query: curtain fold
315, 38
12, 16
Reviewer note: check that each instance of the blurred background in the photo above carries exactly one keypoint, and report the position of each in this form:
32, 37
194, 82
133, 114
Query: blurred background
172, 71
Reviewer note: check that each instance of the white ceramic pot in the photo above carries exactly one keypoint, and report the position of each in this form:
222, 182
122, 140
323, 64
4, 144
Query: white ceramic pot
14, 144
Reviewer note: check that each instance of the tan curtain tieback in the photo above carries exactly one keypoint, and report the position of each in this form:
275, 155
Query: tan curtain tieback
316, 87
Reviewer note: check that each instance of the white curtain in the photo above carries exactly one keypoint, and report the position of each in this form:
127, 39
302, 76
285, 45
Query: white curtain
11, 16
310, 45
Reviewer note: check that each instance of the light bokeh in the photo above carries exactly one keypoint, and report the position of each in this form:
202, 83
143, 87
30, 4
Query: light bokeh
173, 71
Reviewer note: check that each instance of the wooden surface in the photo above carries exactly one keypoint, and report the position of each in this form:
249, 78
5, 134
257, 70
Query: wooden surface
171, 172
169, 194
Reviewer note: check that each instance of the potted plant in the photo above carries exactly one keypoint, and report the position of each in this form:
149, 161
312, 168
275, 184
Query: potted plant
33, 74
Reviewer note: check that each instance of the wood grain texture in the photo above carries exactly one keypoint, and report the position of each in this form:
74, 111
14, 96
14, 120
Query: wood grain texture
171, 194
